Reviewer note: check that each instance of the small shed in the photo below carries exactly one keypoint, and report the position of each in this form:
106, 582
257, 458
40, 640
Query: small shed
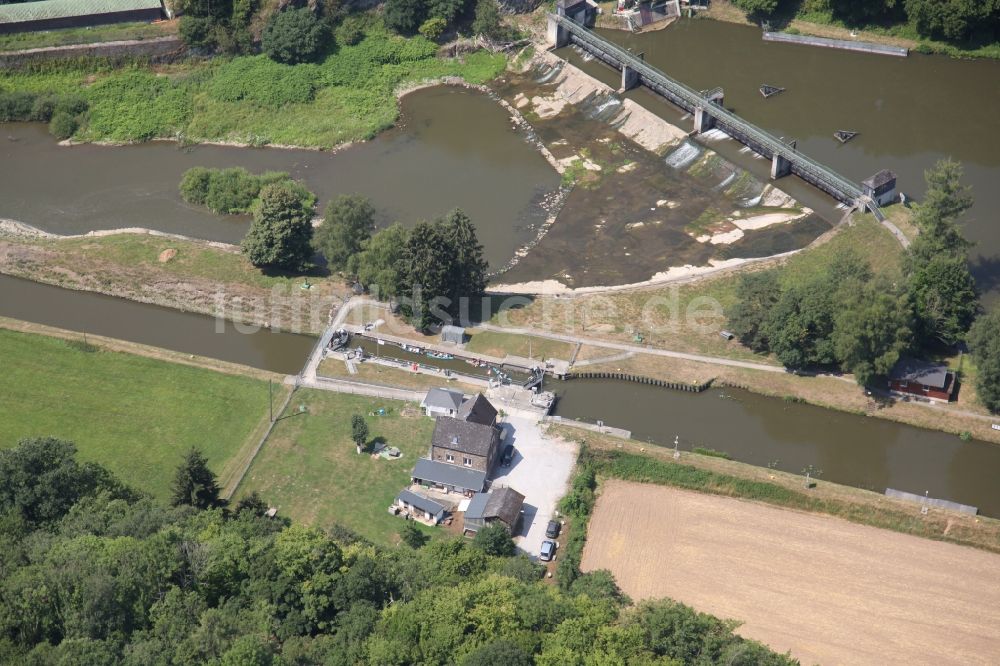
54, 14
419, 507
442, 402
933, 381
502, 505
453, 334
881, 187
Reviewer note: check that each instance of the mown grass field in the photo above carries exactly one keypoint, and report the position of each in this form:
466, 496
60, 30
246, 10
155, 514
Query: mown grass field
309, 468
496, 343
134, 415
348, 96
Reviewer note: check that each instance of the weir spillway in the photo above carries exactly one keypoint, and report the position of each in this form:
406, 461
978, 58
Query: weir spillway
709, 112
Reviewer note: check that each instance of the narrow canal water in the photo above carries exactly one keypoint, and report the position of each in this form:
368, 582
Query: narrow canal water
152, 325
454, 148
853, 450
909, 111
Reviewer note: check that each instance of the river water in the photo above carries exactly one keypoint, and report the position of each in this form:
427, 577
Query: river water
454, 148
909, 111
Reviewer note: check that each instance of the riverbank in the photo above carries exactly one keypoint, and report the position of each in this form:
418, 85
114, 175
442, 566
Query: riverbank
823, 24
187, 275
250, 100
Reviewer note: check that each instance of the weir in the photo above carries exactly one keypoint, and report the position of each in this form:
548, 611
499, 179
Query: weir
706, 107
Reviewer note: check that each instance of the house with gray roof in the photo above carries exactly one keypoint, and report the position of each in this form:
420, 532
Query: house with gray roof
419, 507
478, 410
448, 478
501, 505
465, 443
442, 402
933, 381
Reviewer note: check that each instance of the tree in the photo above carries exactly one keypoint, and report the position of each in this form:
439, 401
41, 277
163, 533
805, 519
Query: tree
445, 10
412, 536
799, 326
281, 230
500, 652
405, 16
378, 264
937, 215
871, 330
757, 7
468, 268
253, 504
945, 299
984, 341
63, 125
952, 19
756, 293
194, 483
359, 431
433, 28
294, 36
488, 21
40, 479
494, 539
598, 585
347, 224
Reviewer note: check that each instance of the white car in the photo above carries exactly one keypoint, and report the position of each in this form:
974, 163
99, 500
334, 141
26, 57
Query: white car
548, 551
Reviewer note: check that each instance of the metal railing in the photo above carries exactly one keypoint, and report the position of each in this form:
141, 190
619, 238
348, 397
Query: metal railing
744, 131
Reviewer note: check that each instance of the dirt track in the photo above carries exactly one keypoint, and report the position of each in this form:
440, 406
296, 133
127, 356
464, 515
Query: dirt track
831, 591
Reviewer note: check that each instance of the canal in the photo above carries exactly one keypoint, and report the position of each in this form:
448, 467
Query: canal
909, 111
848, 449
844, 448
454, 148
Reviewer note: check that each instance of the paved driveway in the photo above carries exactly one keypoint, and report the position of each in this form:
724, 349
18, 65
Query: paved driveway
540, 471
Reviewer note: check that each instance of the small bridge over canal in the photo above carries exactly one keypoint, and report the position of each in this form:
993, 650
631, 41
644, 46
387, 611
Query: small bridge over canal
706, 107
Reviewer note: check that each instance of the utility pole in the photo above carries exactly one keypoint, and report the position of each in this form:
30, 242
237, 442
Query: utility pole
270, 399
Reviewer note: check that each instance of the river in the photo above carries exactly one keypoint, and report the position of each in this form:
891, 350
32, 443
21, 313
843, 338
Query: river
454, 148
909, 111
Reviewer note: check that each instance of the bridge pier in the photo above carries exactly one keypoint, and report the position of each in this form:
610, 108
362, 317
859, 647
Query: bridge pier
556, 35
779, 166
630, 78
703, 120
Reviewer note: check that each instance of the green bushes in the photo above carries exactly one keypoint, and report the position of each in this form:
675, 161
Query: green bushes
137, 106
64, 111
263, 83
234, 191
578, 504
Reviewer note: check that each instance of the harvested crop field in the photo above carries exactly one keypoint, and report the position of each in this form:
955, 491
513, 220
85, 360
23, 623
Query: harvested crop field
830, 591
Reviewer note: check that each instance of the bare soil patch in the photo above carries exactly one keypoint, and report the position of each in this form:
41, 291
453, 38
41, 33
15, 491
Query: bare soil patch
828, 590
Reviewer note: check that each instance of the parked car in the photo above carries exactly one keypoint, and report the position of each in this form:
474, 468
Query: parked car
507, 456
552, 529
548, 551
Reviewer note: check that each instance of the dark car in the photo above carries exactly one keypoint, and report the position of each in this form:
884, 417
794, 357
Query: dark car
552, 529
507, 456
548, 551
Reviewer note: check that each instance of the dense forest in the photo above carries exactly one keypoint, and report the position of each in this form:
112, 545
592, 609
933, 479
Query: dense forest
96, 573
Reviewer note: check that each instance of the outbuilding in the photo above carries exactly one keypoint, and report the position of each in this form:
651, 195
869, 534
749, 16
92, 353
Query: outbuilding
419, 507
453, 334
881, 187
502, 505
933, 381
442, 402
55, 14
448, 478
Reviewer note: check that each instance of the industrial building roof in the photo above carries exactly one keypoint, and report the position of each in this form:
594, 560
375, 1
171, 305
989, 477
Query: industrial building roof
23, 12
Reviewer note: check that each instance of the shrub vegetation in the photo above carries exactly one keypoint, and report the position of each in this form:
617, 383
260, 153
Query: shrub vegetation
235, 190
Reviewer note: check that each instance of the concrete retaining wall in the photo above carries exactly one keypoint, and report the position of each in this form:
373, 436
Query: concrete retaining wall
677, 386
847, 45
160, 49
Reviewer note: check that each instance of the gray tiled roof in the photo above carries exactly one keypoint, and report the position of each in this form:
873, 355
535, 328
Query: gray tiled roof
504, 504
449, 475
477, 506
420, 502
461, 436
443, 399
478, 410
879, 179
922, 372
